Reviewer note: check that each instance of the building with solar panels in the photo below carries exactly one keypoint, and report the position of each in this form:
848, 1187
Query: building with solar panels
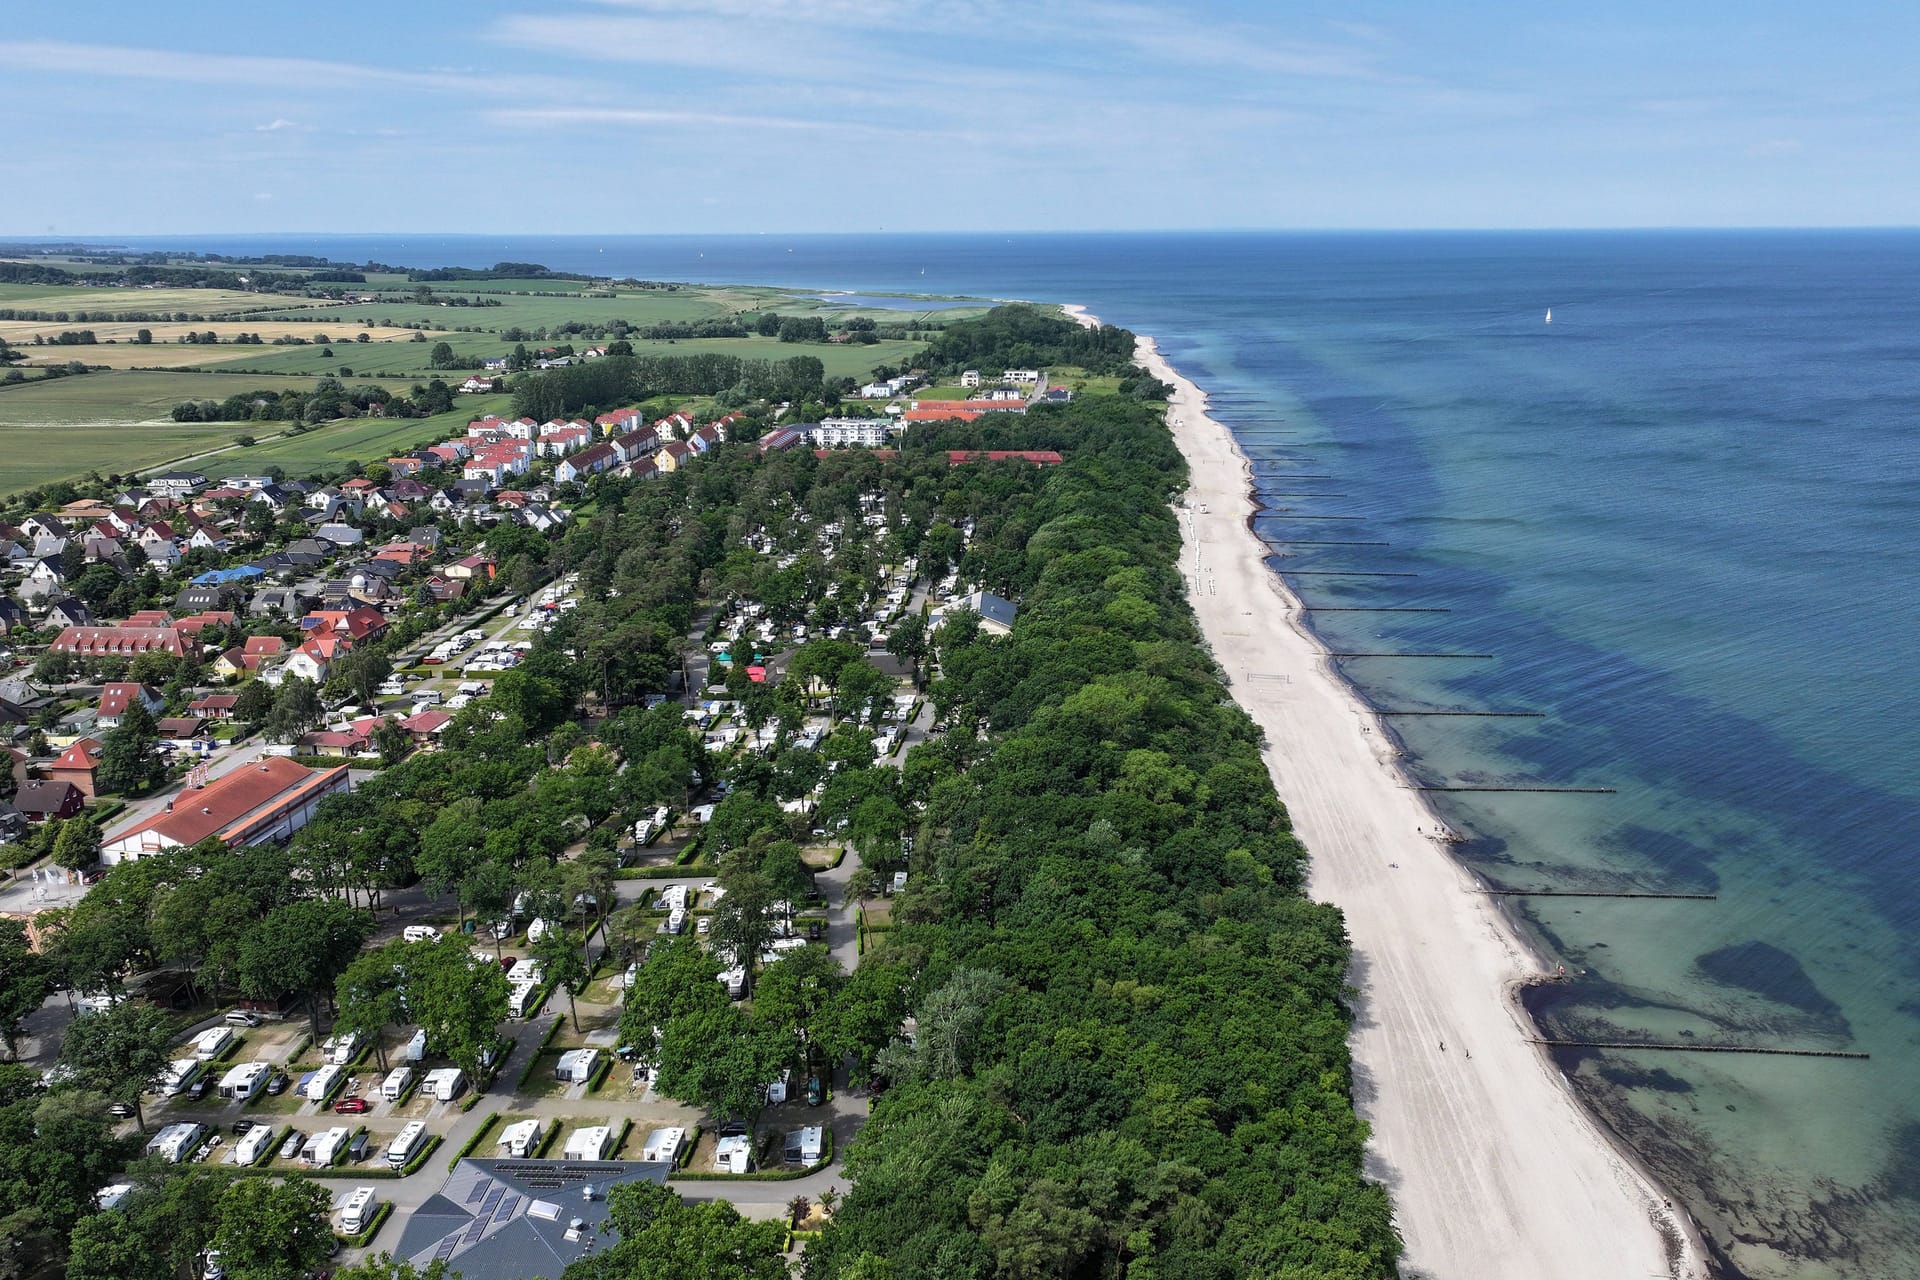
508, 1219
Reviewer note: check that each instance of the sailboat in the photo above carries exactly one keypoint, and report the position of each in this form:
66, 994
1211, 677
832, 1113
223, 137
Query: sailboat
1549, 315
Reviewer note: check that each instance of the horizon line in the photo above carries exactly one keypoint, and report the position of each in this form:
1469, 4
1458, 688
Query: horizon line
82, 236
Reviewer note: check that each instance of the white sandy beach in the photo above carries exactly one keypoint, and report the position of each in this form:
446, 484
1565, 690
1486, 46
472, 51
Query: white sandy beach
1494, 1168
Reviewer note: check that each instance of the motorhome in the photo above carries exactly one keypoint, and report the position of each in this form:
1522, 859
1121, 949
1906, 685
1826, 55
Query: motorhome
417, 1047
357, 1211
520, 998
420, 933
406, 1142
396, 1083
522, 1138
733, 1154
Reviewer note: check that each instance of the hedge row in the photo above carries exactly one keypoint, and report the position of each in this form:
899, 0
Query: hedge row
479, 1136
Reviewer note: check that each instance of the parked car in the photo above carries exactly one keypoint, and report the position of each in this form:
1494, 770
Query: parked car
507, 963
353, 1106
121, 1110
241, 1018
277, 1083
241, 1126
816, 1091
200, 1088
290, 1145
358, 1148
815, 931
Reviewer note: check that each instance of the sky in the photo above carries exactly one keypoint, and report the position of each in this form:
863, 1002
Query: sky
671, 116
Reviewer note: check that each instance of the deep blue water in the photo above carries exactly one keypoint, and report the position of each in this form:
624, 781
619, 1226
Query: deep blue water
1683, 516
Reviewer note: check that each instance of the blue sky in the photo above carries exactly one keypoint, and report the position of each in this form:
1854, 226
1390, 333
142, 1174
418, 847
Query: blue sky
640, 116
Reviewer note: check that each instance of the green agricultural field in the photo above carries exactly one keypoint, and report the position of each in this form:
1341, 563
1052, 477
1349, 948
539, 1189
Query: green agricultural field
34, 454
368, 439
408, 360
52, 297
114, 423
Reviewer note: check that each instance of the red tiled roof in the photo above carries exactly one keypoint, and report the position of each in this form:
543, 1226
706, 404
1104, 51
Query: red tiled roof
224, 806
121, 640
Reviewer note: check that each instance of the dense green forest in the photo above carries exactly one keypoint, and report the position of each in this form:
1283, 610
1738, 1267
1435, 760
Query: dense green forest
1028, 337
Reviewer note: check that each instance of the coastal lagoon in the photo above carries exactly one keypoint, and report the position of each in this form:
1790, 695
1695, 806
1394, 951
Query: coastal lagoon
1682, 517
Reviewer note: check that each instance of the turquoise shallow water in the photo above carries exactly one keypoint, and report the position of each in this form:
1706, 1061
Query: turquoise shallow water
1683, 517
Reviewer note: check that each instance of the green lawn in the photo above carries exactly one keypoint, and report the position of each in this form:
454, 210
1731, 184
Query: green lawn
367, 439
57, 297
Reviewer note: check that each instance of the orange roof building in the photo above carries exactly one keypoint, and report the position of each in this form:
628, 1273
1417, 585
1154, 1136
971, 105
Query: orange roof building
256, 803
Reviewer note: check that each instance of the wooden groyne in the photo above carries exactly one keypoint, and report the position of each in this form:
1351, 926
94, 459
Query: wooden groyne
1565, 791
1682, 1047
1318, 477
1303, 495
1303, 542
1361, 608
1285, 514
1600, 893
1343, 573
1476, 656
1493, 715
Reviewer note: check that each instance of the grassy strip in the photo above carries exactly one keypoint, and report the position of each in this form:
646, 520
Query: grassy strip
479, 1136
677, 872
620, 1139
546, 1142
380, 1215
601, 1071
526, 1072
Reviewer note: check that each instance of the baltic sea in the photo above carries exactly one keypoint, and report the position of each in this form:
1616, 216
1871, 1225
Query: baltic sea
1684, 517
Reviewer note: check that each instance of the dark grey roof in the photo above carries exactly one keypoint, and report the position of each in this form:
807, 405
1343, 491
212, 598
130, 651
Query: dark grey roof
992, 608
510, 1219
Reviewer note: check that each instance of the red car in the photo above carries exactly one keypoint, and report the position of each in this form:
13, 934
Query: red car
352, 1106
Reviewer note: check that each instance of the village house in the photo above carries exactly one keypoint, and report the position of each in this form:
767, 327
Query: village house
76, 764
43, 798
120, 641
115, 699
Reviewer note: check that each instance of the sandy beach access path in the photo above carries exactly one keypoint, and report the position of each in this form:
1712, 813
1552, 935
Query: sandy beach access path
1494, 1167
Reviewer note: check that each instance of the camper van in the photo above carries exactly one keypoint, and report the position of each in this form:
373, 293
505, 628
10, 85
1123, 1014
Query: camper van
406, 1142
253, 1144
357, 1211
322, 1082
396, 1083
445, 1084
521, 1139
417, 1047
420, 933
520, 998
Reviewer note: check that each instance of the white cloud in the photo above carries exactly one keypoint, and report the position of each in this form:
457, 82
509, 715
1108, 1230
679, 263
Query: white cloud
275, 125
